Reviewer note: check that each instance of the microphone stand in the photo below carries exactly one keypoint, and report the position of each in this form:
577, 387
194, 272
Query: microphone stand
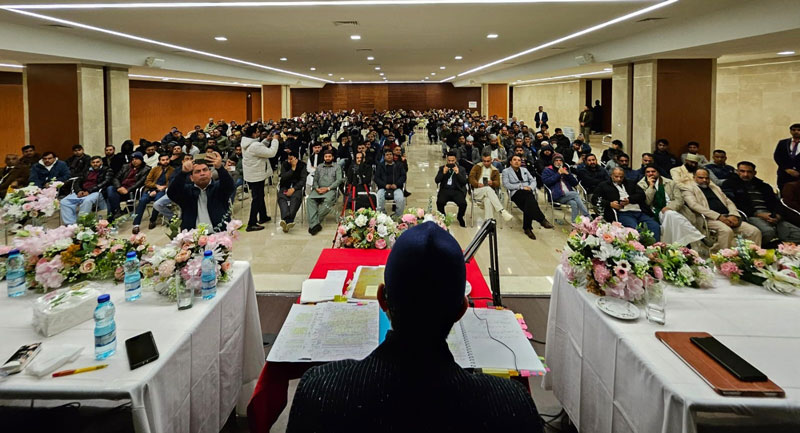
488, 230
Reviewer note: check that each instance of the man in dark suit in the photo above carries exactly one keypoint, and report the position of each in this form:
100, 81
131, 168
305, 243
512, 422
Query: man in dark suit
540, 117
411, 382
202, 201
452, 181
787, 156
585, 119
623, 201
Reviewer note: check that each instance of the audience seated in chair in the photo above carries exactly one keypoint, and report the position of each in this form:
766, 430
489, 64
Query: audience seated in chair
591, 175
125, 183
291, 188
468, 155
521, 187
562, 184
622, 200
757, 200
692, 148
327, 180
390, 178
684, 175
452, 182
201, 199
155, 187
47, 170
29, 156
87, 192
14, 175
707, 199
666, 200
411, 382
484, 179
79, 162
719, 168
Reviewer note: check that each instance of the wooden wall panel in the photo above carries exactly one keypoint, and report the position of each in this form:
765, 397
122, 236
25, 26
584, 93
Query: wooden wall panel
53, 107
369, 97
684, 92
156, 106
498, 100
271, 102
12, 111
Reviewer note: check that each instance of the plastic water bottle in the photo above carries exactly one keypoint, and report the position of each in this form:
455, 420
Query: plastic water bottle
105, 329
133, 280
209, 275
15, 274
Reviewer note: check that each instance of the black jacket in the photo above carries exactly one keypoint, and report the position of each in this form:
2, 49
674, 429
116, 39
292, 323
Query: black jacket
185, 194
459, 180
664, 162
104, 179
390, 174
606, 193
591, 178
360, 174
293, 178
141, 176
78, 165
785, 161
735, 188
392, 391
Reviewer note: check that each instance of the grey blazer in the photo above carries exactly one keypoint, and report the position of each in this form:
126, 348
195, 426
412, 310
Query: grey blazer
512, 182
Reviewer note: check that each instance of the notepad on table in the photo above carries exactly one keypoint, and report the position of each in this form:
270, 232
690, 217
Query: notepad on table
321, 290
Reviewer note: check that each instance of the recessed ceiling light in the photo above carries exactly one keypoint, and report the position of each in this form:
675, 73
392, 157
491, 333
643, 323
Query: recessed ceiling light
355, 37
607, 69
381, 74
433, 73
341, 78
458, 57
427, 78
165, 79
312, 68
786, 53
370, 58
283, 59
492, 36
441, 67
377, 68
220, 38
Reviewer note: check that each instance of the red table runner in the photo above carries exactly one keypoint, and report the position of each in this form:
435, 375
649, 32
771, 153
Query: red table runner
270, 396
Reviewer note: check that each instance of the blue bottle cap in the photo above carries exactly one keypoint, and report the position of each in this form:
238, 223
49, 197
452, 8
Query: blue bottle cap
208, 253
131, 254
12, 252
103, 298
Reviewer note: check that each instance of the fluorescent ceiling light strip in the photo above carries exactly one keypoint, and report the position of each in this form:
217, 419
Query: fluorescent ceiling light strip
560, 77
548, 84
573, 36
162, 5
162, 44
8, 65
193, 80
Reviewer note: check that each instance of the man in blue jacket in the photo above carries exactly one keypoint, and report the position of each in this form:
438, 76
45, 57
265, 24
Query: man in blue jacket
48, 169
562, 184
202, 201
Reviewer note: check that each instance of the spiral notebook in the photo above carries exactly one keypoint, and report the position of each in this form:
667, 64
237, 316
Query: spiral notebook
492, 339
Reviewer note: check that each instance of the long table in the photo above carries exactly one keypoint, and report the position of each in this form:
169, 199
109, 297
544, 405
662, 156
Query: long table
270, 397
615, 376
210, 357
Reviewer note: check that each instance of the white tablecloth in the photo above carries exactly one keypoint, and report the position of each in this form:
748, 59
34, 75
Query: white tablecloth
615, 376
210, 357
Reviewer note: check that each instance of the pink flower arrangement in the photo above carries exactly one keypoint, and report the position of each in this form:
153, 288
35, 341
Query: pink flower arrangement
48, 273
380, 244
658, 272
601, 272
88, 266
729, 269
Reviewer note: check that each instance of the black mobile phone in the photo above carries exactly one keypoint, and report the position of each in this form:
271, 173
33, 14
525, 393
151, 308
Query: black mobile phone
727, 358
141, 350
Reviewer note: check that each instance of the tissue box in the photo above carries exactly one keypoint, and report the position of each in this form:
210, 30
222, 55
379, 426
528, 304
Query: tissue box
64, 308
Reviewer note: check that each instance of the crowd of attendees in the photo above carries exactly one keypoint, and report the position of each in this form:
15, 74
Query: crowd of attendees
316, 157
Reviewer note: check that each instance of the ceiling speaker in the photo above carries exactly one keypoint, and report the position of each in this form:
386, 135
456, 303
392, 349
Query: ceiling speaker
584, 59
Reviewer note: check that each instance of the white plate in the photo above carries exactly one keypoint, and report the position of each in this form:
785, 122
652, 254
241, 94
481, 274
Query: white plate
618, 308
467, 289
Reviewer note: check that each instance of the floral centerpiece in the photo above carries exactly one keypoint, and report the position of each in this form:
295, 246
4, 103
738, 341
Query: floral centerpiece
30, 202
365, 229
607, 258
73, 253
414, 216
679, 265
183, 256
777, 271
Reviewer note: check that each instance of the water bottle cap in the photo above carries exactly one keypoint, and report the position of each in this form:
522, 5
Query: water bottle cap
208, 253
103, 298
12, 252
131, 254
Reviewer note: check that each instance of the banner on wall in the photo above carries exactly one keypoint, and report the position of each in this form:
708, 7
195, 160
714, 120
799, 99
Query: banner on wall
473, 104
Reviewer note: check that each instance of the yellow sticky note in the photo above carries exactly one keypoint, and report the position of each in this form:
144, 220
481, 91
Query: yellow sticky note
371, 291
496, 372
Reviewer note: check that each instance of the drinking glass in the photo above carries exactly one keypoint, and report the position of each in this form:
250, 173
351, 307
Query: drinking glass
656, 303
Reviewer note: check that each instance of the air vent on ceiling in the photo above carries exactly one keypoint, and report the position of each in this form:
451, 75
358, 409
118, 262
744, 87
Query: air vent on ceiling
558, 48
345, 23
58, 26
509, 63
646, 20
363, 49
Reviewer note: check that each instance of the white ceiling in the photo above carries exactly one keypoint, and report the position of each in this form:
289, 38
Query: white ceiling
409, 42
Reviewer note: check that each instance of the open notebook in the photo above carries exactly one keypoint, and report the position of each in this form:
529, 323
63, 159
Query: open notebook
483, 338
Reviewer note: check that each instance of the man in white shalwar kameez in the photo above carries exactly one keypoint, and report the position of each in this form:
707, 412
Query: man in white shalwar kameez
664, 196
